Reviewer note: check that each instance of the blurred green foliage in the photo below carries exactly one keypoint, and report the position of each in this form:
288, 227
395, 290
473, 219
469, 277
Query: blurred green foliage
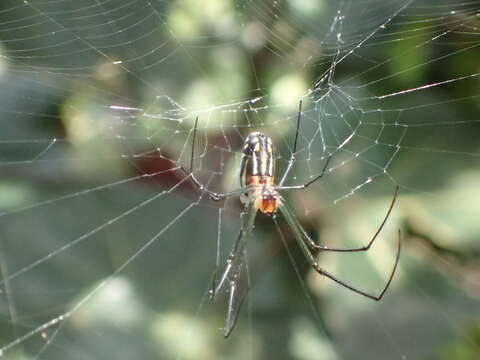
128, 263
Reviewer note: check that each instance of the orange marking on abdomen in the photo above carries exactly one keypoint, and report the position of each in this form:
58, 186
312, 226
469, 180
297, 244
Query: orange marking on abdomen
259, 180
269, 181
252, 180
268, 206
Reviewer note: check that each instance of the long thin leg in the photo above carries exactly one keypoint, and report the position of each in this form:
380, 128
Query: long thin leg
193, 144
292, 158
216, 288
310, 182
213, 195
378, 297
315, 247
234, 281
311, 259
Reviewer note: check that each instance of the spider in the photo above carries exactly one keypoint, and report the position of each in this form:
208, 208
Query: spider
258, 193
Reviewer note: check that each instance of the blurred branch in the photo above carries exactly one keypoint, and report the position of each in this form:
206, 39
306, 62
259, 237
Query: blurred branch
464, 256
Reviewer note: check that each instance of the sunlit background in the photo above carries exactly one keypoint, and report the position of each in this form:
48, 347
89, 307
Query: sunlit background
107, 249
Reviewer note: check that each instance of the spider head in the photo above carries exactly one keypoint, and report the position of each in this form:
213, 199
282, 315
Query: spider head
266, 201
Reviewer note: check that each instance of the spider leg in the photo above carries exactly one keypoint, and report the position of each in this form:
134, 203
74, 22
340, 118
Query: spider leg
316, 247
232, 260
310, 182
378, 297
193, 144
313, 262
201, 187
234, 279
213, 195
292, 158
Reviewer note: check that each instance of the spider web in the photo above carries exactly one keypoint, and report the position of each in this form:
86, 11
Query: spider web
108, 250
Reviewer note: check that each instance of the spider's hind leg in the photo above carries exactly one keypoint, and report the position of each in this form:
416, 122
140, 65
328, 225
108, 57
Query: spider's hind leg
299, 236
378, 297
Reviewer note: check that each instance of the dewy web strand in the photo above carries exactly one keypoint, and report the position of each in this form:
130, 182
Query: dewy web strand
98, 109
